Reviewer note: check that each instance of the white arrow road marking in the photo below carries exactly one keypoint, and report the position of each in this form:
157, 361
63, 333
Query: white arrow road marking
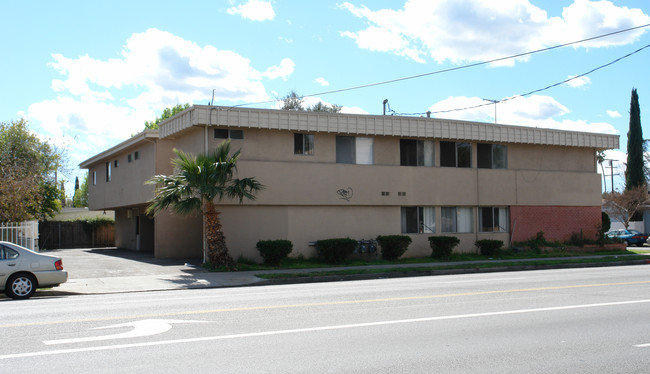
145, 327
643, 345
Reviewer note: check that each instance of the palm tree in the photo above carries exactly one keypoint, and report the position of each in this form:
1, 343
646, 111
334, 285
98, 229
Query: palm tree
197, 182
600, 157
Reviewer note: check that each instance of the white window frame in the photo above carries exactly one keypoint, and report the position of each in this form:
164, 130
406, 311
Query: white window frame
497, 213
424, 153
362, 152
457, 219
425, 217
303, 144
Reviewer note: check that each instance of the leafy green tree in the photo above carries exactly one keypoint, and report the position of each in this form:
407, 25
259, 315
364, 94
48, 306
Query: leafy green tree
167, 113
635, 173
80, 198
28, 187
293, 101
200, 180
624, 205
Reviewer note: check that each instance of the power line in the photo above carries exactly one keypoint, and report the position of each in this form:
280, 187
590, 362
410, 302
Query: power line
457, 67
545, 88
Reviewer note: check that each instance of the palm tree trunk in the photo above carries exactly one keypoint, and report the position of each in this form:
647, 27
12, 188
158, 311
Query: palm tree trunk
217, 250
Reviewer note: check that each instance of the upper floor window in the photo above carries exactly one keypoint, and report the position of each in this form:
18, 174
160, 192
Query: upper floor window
416, 152
417, 219
456, 154
228, 134
129, 158
456, 219
94, 177
108, 172
492, 156
303, 144
493, 219
354, 150
136, 155
116, 163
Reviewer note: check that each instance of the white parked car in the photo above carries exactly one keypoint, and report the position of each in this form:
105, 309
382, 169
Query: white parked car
22, 271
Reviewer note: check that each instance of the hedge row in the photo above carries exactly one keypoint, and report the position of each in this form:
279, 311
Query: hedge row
335, 251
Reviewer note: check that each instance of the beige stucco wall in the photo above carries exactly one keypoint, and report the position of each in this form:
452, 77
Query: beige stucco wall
301, 200
126, 187
244, 226
178, 236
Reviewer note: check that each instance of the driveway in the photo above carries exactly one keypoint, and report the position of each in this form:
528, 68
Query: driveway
111, 270
113, 262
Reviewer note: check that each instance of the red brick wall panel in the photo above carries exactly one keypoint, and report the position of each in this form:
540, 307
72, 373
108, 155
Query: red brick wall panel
557, 222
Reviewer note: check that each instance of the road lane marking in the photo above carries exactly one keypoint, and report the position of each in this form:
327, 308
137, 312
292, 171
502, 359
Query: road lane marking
141, 328
324, 303
483, 280
312, 329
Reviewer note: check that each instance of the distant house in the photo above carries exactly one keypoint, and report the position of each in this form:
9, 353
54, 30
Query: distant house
359, 176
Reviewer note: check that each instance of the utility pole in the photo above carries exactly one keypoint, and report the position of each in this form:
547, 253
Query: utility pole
611, 172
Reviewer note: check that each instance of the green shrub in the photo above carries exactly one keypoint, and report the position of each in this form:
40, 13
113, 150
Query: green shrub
274, 251
442, 246
577, 239
335, 251
393, 246
606, 222
489, 247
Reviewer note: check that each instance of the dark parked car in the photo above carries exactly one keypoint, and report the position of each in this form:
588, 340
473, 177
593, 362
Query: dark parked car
629, 236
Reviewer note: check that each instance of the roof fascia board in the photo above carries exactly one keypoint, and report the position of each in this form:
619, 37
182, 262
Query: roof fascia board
145, 135
379, 125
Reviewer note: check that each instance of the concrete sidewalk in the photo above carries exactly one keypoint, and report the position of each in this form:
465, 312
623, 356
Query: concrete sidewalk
101, 271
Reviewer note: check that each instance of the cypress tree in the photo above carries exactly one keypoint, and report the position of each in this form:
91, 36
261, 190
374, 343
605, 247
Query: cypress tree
634, 175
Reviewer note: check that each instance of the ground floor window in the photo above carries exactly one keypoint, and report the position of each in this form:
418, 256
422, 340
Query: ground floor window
456, 219
493, 219
417, 220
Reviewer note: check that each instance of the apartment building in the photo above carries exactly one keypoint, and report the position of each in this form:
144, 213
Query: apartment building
342, 175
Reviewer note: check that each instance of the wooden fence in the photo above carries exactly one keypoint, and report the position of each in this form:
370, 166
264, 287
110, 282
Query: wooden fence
74, 234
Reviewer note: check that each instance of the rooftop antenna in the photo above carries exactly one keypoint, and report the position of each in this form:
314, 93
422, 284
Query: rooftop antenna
385, 103
211, 102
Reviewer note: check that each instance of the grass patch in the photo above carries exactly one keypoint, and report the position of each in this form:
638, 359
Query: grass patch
291, 263
422, 269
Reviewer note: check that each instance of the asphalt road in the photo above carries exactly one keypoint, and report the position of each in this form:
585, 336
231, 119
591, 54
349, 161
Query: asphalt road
572, 320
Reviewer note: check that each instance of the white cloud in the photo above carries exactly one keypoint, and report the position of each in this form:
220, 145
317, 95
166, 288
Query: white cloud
478, 30
155, 69
578, 82
322, 81
284, 70
254, 10
353, 110
533, 111
613, 114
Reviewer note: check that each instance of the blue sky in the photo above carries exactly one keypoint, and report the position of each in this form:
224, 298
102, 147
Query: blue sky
87, 75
